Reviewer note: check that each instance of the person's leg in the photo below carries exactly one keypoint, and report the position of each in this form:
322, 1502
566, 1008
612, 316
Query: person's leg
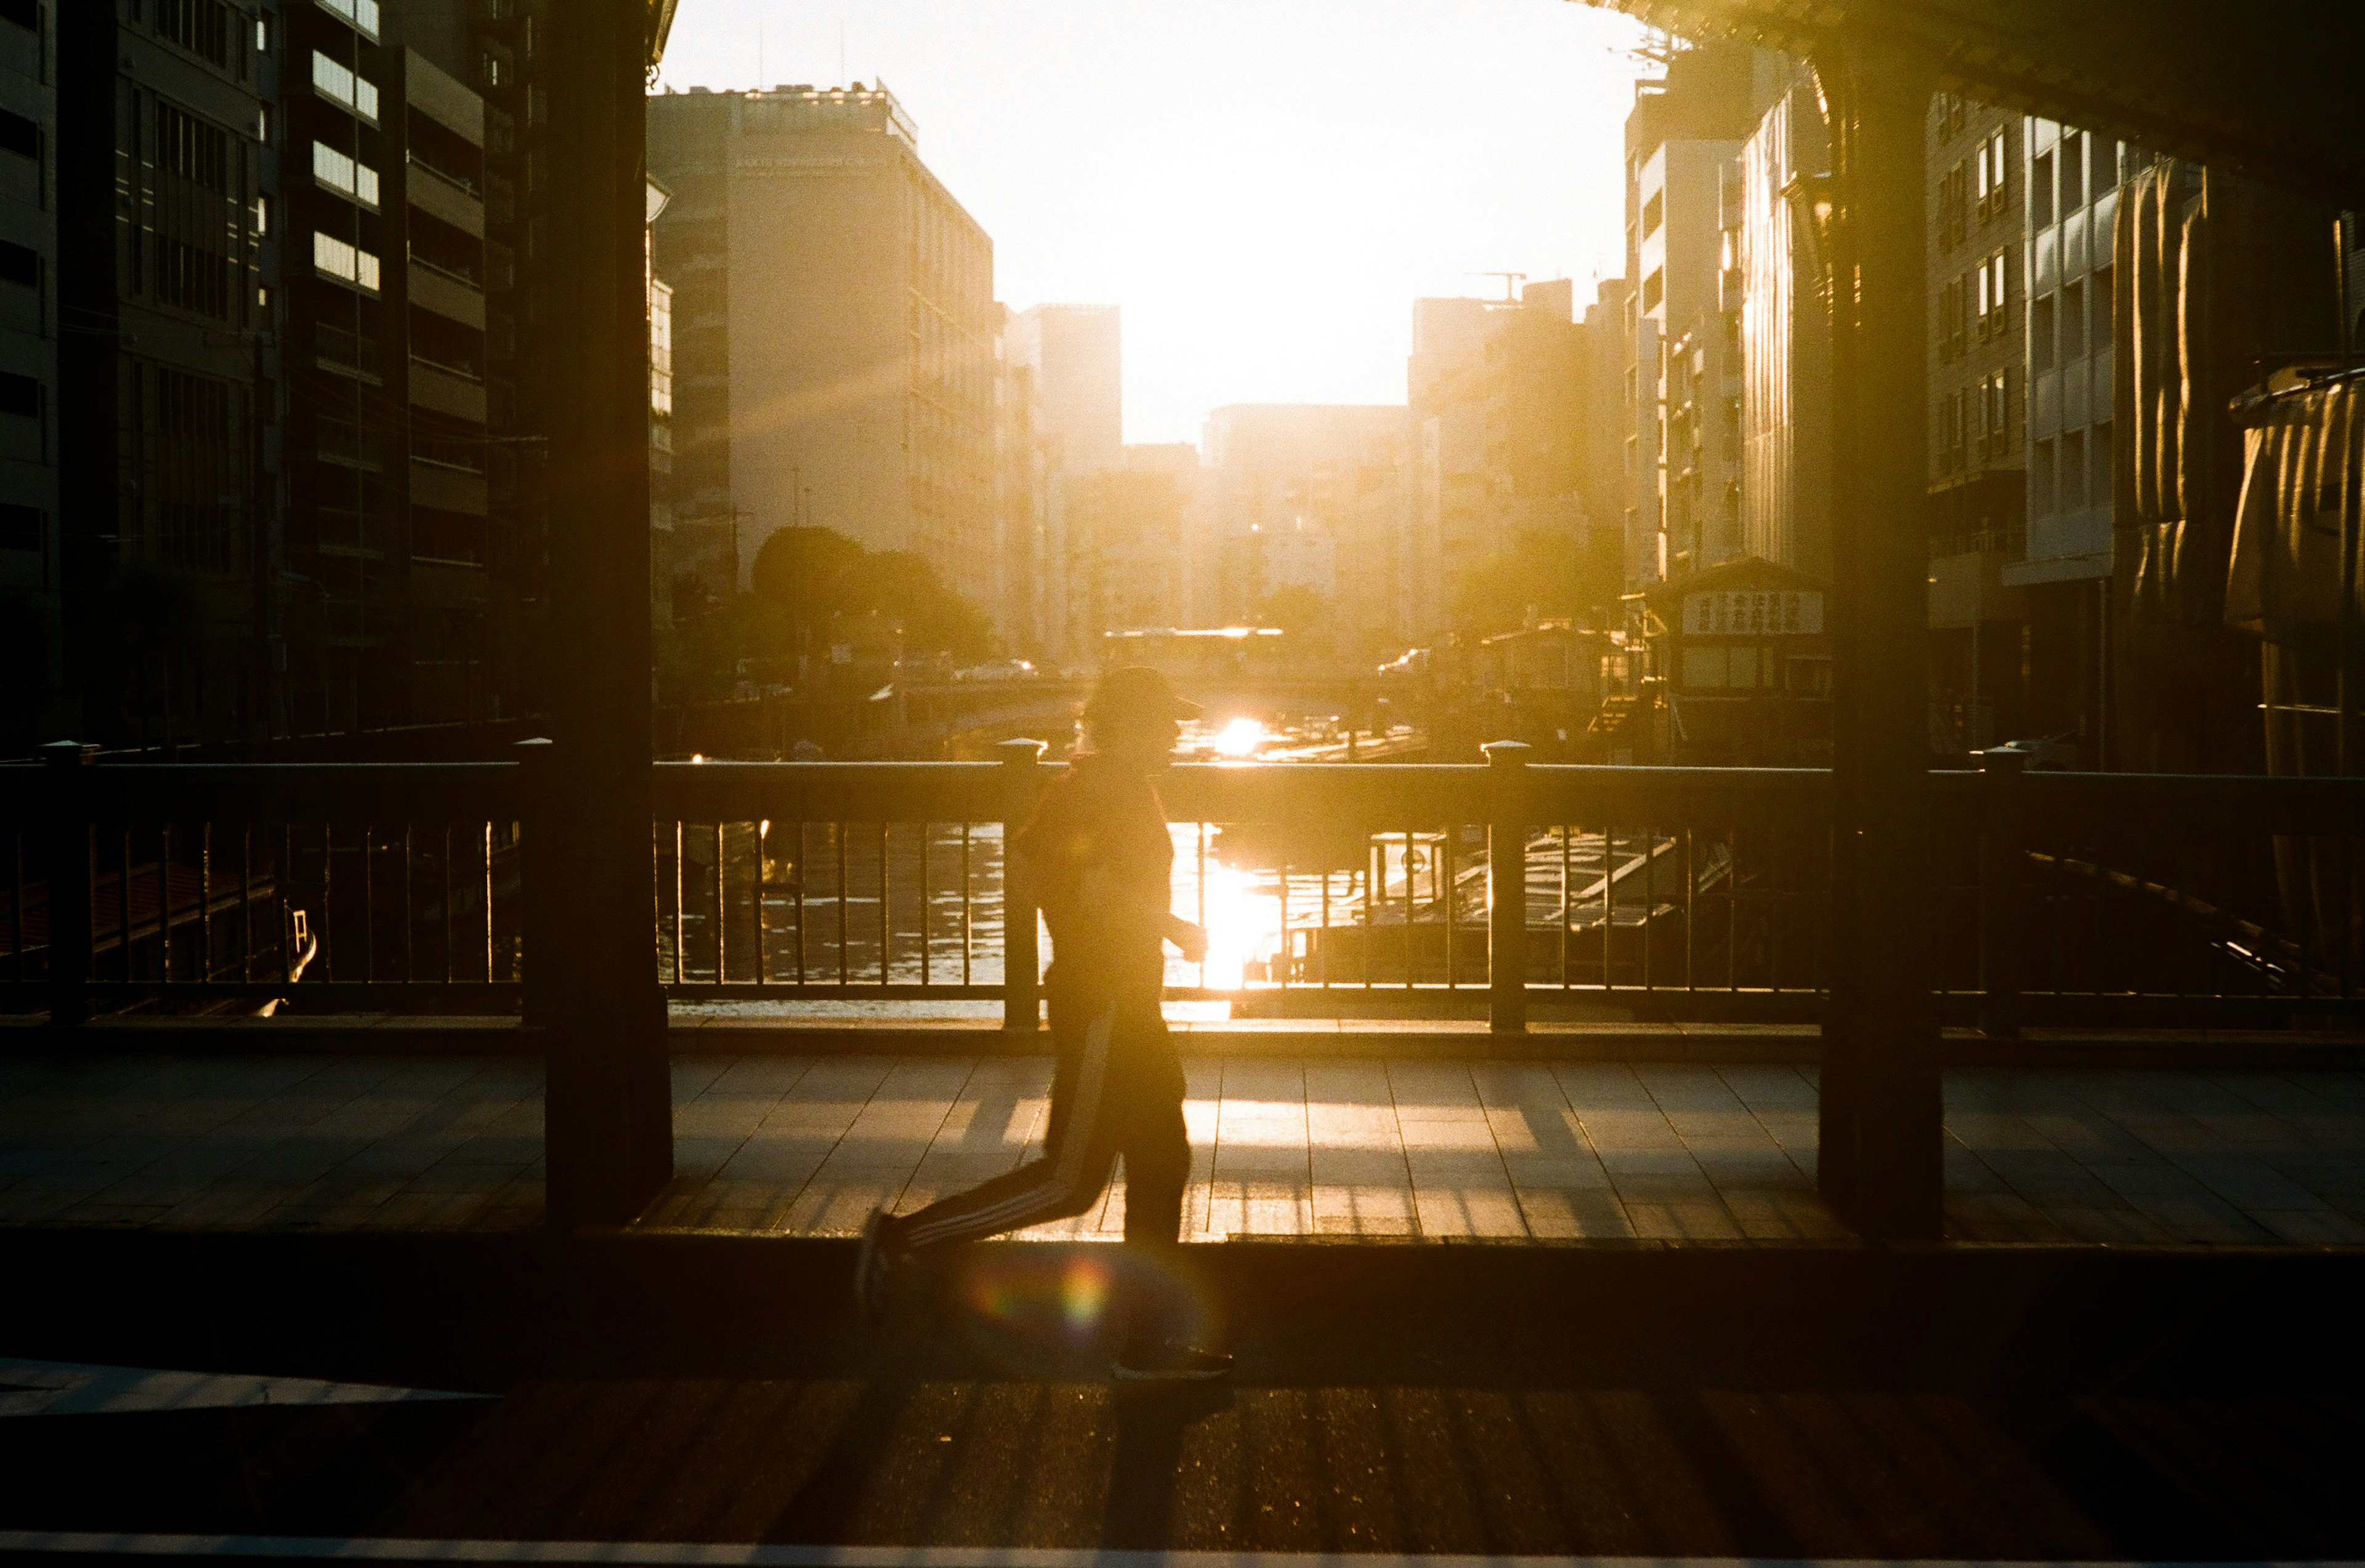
1080, 1149
1157, 1148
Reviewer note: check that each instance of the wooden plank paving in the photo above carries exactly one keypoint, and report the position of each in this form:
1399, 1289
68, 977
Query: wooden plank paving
1323, 1146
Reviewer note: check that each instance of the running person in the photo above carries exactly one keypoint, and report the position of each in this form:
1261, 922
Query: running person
1101, 860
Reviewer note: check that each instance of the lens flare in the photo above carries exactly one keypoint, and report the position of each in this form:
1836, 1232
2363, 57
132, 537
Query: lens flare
1240, 738
1084, 1294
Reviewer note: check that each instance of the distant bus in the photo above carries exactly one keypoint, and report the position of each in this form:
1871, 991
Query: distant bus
1201, 657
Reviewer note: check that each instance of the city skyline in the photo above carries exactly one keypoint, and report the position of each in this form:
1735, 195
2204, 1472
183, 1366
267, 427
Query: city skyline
1272, 260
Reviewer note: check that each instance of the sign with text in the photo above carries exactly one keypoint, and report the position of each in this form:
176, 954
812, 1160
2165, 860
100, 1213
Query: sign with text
1745, 612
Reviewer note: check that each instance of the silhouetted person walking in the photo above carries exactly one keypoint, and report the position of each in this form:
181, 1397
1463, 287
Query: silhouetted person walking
1098, 851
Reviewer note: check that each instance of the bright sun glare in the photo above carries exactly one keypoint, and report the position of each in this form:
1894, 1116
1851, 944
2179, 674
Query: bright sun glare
1240, 738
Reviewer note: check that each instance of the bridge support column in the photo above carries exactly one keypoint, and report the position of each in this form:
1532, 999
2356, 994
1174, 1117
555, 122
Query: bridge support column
1881, 1102
608, 1105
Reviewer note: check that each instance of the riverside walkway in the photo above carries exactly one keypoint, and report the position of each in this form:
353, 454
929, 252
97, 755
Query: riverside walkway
1379, 1147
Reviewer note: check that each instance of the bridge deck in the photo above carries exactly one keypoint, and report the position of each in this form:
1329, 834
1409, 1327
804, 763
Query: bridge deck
1322, 1147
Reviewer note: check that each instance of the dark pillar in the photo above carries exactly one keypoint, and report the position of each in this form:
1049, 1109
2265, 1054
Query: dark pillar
608, 1108
1881, 1162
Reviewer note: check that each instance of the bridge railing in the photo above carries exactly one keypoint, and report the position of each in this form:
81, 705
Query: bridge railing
2075, 898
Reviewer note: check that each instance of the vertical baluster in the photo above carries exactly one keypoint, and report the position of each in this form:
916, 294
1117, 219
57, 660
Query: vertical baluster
328, 902
967, 893
283, 883
1201, 829
165, 903
798, 894
720, 866
1284, 955
763, 842
1608, 907
677, 840
1732, 917
206, 902
844, 974
486, 840
927, 831
886, 931
1691, 971
17, 906
1408, 906
1566, 914
1442, 881
410, 951
445, 866
1322, 955
1650, 901
369, 902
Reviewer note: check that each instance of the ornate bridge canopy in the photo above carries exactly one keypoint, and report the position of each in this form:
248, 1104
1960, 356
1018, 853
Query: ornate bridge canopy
2268, 88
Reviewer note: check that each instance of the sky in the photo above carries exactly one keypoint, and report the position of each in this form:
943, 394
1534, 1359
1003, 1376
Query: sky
1264, 186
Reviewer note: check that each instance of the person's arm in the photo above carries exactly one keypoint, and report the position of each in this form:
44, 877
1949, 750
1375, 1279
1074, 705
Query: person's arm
1187, 937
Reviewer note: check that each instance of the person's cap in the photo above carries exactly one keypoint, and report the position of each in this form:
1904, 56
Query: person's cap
1137, 691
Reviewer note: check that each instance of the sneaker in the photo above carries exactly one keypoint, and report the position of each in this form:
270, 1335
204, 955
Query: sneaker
873, 1265
1172, 1363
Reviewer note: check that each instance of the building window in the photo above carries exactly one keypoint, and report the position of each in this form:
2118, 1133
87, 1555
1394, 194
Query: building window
201, 26
2073, 321
1954, 317
1994, 186
1953, 207
1654, 288
338, 172
2040, 190
348, 263
362, 15
2041, 333
1653, 210
2099, 490
1993, 299
19, 135
19, 265
2073, 471
20, 527
340, 86
1995, 416
2073, 172
20, 396
2041, 477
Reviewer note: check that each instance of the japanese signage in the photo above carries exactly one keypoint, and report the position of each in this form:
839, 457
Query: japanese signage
1751, 614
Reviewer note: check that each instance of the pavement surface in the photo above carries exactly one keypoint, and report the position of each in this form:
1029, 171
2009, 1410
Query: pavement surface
1808, 1402
1400, 1149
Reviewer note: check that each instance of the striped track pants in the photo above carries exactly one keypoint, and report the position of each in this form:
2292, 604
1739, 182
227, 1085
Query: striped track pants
1117, 1091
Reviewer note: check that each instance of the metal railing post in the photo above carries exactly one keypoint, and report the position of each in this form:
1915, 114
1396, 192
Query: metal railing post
1506, 888
2000, 904
537, 787
66, 864
1021, 959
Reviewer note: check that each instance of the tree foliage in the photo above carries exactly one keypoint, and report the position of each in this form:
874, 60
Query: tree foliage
803, 577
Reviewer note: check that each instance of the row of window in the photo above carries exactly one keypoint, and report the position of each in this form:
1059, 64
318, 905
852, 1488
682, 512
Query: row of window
1974, 303
350, 264
340, 86
1975, 421
2070, 472
346, 176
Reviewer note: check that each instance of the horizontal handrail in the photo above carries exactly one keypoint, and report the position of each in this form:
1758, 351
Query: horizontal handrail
886, 879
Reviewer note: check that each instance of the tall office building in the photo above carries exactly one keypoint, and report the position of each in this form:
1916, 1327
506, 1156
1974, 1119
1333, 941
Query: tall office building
162, 115
1785, 341
834, 320
1281, 486
1683, 145
30, 649
1076, 353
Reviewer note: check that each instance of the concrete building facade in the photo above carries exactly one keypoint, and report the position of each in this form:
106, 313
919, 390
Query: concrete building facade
30, 589
835, 328
163, 551
1785, 359
1076, 353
